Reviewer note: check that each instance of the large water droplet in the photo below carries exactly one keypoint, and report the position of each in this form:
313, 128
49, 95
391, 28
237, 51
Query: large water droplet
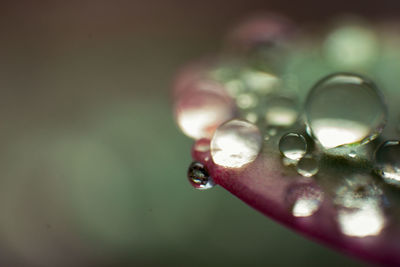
344, 109
293, 146
235, 144
307, 166
281, 111
387, 160
198, 176
200, 110
304, 199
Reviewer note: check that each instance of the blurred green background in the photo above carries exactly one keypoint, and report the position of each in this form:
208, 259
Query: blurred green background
93, 168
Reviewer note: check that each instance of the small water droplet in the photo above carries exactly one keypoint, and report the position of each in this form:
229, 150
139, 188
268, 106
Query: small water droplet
246, 100
304, 199
260, 81
236, 143
307, 166
345, 109
293, 146
387, 161
198, 176
281, 111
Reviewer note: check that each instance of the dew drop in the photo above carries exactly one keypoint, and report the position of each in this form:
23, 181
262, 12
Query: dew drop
281, 111
304, 199
360, 212
200, 110
246, 100
387, 161
235, 143
198, 176
307, 166
293, 146
345, 109
351, 46
260, 81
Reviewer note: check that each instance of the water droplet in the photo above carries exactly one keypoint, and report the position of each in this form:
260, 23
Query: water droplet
246, 100
307, 166
293, 146
198, 176
387, 160
351, 46
360, 210
345, 109
235, 143
260, 81
281, 111
199, 111
304, 199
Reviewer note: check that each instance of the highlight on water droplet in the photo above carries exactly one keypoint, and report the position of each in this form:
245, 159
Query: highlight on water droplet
387, 162
293, 146
345, 109
307, 166
360, 211
281, 111
304, 199
201, 109
353, 154
235, 144
198, 176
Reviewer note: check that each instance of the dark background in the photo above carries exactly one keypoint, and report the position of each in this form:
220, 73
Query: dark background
92, 165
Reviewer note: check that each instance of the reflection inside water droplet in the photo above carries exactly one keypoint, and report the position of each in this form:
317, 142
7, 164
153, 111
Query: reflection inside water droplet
293, 146
198, 176
307, 166
235, 144
334, 119
281, 111
304, 199
360, 211
387, 161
